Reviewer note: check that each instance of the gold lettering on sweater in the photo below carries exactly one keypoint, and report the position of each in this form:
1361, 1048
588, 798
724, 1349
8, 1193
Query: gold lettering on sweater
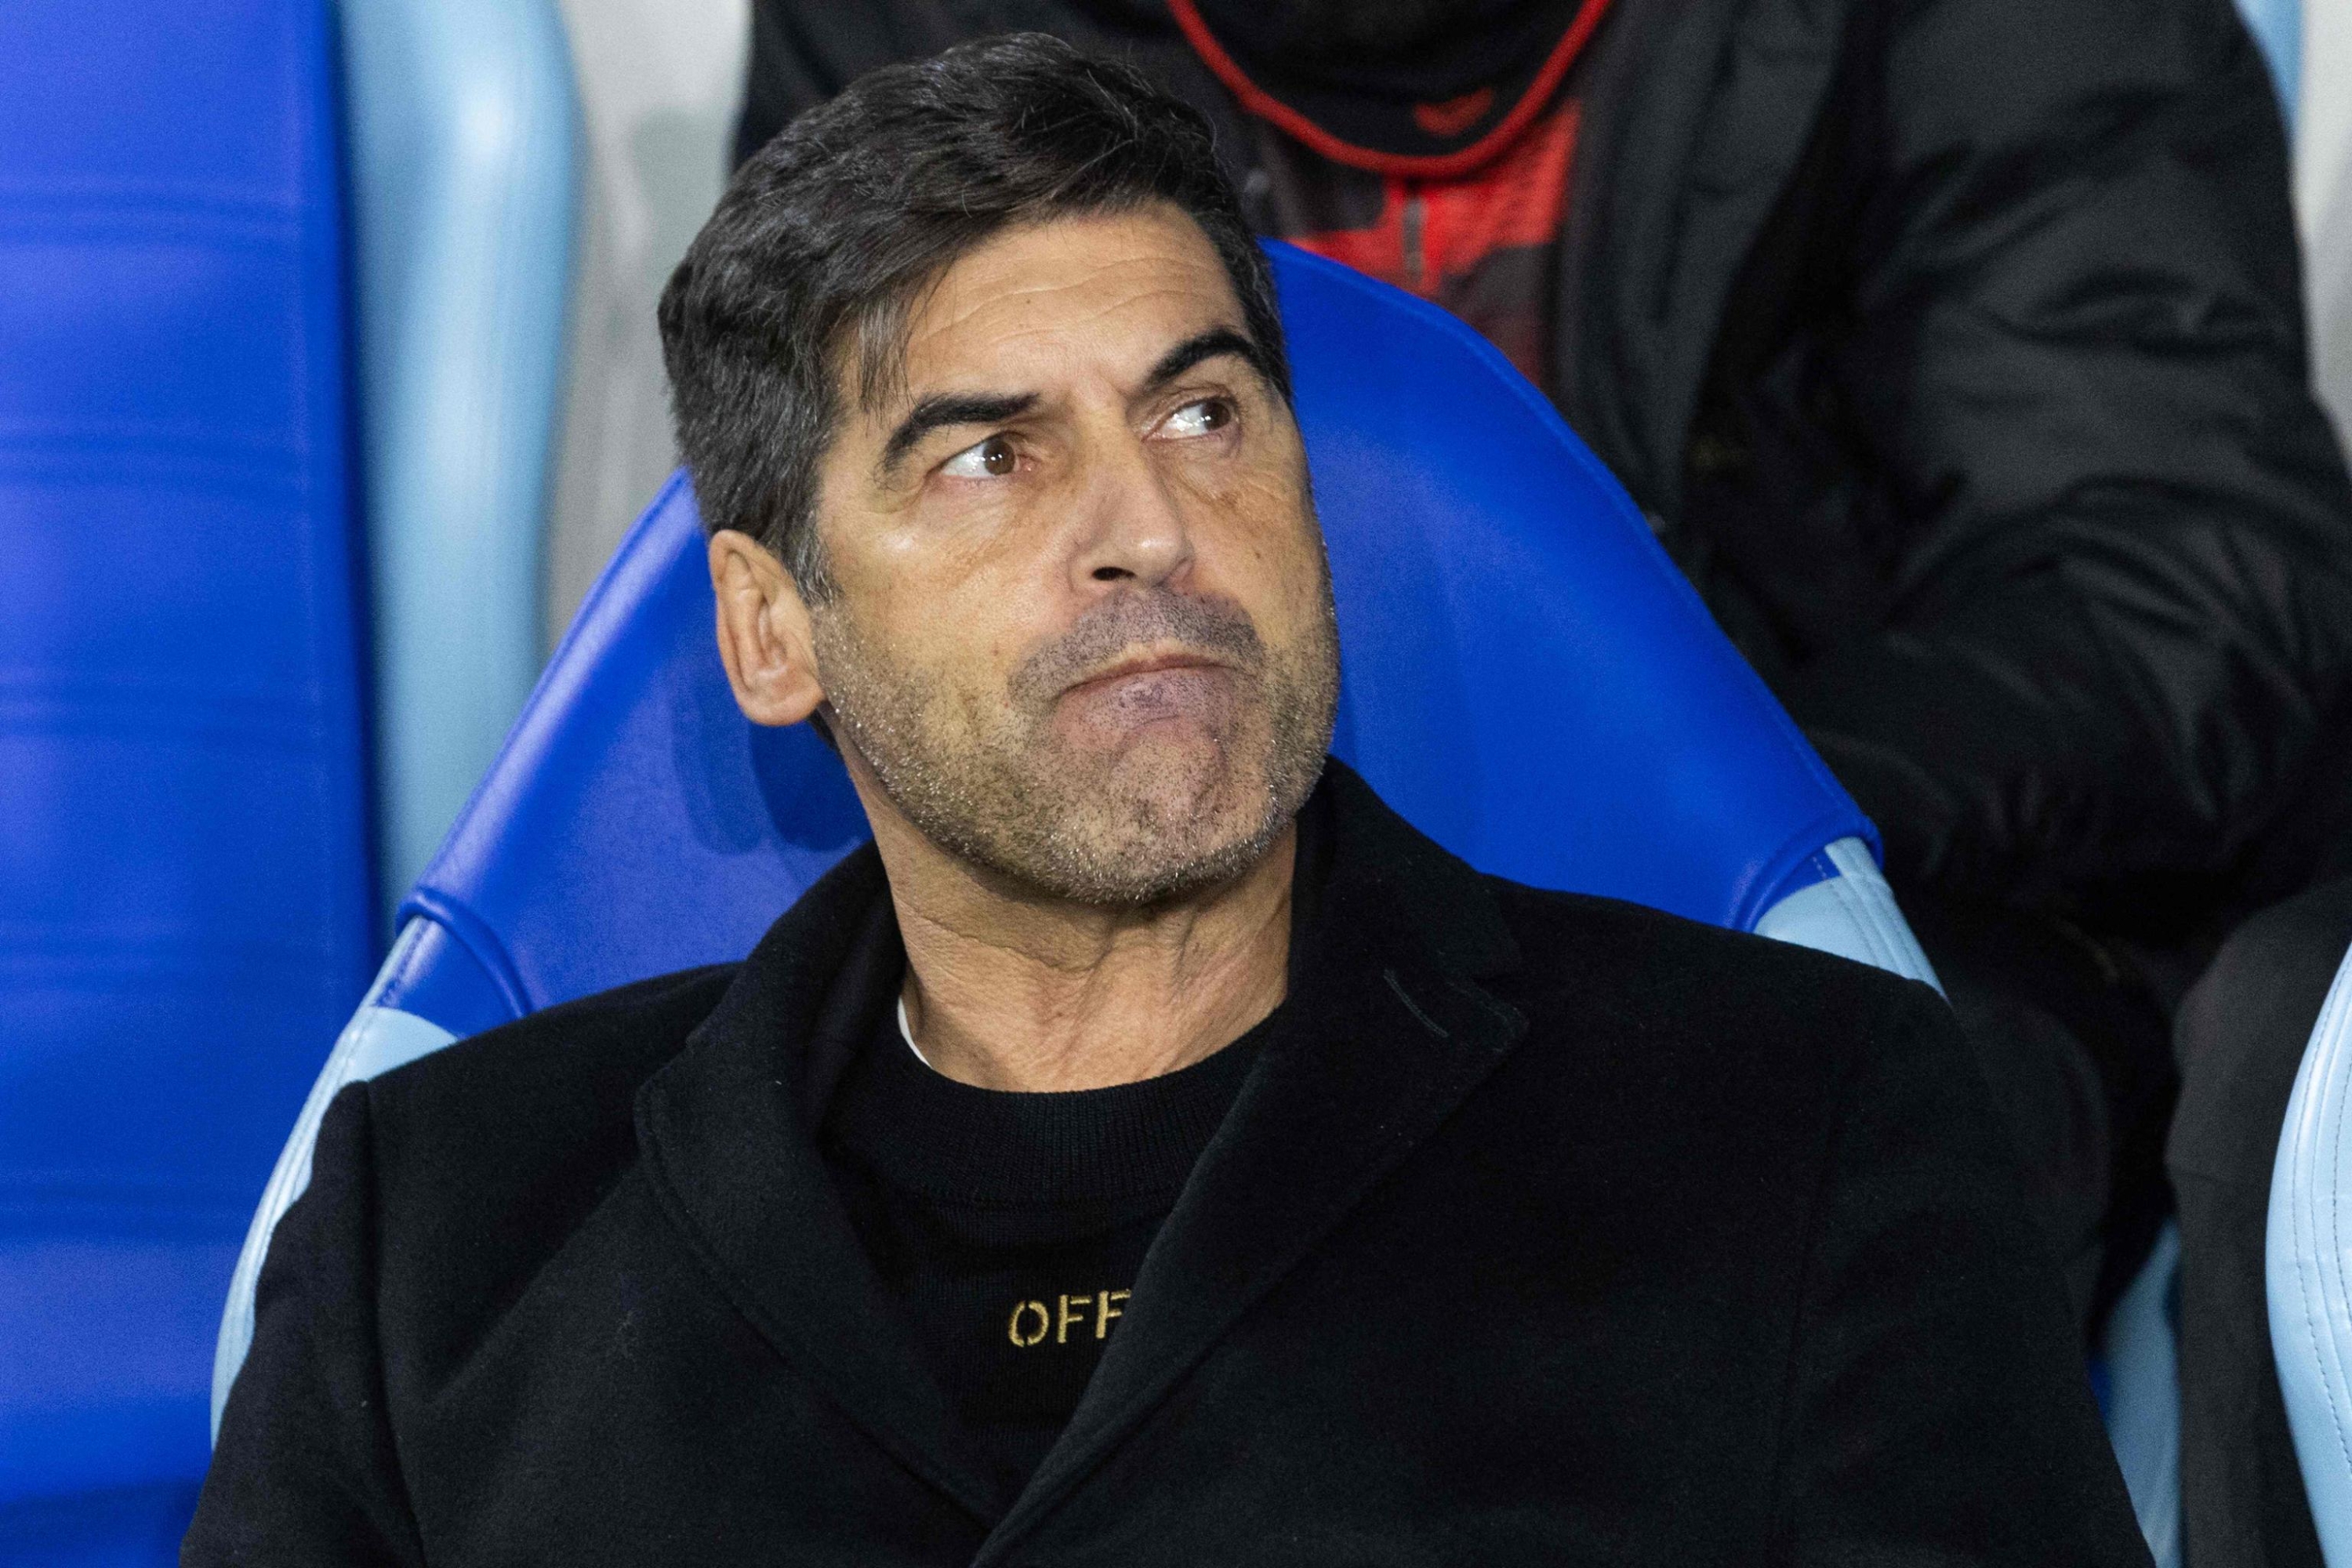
1020, 1317
1032, 1320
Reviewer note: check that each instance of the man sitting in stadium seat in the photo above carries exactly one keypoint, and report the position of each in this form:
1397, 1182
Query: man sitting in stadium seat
1152, 1149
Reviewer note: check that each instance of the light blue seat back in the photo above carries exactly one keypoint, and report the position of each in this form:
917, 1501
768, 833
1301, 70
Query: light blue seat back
2307, 1257
184, 900
463, 137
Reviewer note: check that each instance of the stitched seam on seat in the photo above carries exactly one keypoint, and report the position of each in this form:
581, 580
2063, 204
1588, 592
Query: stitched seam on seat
478, 938
1753, 892
1851, 908
1871, 915
1864, 915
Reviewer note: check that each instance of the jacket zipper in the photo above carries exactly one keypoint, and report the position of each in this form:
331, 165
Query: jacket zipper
1416, 240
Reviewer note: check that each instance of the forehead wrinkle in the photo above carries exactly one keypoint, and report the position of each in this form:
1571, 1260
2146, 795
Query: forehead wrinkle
1089, 315
1035, 346
982, 297
1093, 268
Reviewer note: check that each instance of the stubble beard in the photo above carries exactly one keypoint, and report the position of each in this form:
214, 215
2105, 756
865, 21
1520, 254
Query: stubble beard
985, 777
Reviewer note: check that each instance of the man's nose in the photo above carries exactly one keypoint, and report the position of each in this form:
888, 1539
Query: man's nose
1135, 531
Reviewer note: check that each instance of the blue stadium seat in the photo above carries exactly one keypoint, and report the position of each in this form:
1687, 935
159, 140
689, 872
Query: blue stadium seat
184, 900
183, 861
1527, 677
2307, 1259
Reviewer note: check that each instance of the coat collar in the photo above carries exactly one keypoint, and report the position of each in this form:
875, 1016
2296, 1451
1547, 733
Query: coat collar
1385, 1030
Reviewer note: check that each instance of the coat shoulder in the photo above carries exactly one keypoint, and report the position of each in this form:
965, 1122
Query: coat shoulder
1717, 984
543, 1104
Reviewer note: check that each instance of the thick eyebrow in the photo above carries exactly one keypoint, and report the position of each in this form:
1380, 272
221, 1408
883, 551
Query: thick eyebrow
1201, 346
950, 409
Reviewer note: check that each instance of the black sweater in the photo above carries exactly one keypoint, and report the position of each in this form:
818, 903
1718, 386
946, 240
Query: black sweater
1008, 1228
1544, 1229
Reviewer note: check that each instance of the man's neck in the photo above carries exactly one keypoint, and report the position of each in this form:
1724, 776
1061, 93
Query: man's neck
1010, 991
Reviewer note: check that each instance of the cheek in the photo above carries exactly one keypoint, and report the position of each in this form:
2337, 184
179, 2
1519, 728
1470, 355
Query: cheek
955, 617
1269, 555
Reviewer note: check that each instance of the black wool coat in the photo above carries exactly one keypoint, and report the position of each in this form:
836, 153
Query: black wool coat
1546, 1229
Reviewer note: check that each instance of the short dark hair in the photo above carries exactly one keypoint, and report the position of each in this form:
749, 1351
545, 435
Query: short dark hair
828, 233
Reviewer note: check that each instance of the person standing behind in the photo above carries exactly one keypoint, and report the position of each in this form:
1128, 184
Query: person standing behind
1955, 351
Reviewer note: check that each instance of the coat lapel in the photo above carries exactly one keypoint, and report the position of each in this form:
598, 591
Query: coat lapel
1386, 1030
728, 1144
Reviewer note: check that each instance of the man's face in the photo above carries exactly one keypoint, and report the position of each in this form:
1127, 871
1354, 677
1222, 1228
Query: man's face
1081, 630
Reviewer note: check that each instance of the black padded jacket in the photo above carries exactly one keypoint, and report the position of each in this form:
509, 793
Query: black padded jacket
1956, 350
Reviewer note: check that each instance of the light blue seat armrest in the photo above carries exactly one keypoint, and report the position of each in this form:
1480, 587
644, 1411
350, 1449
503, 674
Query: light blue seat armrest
462, 129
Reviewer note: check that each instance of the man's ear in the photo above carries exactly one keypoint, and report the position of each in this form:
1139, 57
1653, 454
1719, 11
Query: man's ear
764, 638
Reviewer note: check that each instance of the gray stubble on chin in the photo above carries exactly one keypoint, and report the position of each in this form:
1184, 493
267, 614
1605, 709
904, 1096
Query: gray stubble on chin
992, 787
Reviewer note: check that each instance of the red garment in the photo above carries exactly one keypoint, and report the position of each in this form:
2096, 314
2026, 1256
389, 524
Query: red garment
1484, 246
1475, 228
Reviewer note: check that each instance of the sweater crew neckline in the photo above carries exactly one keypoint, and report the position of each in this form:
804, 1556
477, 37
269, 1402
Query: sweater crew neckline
926, 1132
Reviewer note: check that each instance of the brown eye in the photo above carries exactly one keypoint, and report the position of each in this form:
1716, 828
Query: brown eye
1199, 418
993, 460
